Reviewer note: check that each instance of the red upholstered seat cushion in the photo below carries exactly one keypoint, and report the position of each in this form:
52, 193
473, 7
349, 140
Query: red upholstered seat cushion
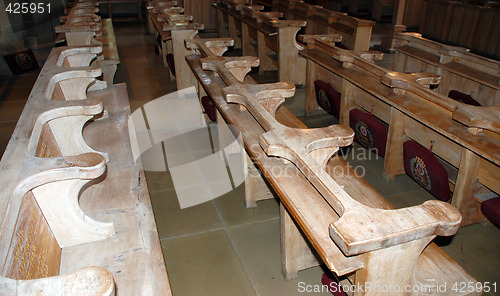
328, 98
491, 209
171, 63
369, 131
333, 286
462, 98
423, 167
209, 107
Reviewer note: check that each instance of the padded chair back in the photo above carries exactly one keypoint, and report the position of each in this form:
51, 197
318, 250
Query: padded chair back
424, 167
328, 98
369, 131
491, 209
209, 108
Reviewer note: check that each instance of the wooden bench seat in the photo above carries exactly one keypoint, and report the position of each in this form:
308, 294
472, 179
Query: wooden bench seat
459, 69
75, 220
301, 203
411, 110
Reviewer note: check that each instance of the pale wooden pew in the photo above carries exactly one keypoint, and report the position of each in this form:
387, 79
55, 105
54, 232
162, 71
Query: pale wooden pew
462, 23
83, 27
302, 204
255, 28
459, 69
174, 27
76, 221
272, 38
355, 32
464, 137
155, 26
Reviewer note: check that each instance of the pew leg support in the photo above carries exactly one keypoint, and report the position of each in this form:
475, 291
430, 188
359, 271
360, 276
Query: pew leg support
392, 266
393, 161
296, 254
463, 195
255, 187
108, 73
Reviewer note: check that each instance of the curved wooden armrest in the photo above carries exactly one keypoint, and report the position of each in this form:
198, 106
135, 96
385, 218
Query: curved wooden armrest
56, 184
77, 56
209, 46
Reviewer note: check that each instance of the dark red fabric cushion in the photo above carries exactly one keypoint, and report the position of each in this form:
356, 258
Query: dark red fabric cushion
462, 98
369, 131
328, 98
209, 107
423, 167
333, 285
491, 209
171, 63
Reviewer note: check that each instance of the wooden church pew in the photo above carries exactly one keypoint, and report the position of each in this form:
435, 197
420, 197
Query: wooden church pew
309, 203
92, 31
355, 32
76, 220
464, 137
173, 27
463, 23
255, 28
459, 69
272, 34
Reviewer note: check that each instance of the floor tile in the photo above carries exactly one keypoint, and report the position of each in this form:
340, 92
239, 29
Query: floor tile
159, 181
320, 119
25, 80
409, 198
477, 249
14, 93
11, 110
231, 207
2, 150
6, 129
296, 104
173, 221
205, 264
186, 175
371, 171
258, 245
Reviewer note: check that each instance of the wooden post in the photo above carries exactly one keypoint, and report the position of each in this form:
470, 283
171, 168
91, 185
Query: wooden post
311, 103
392, 268
184, 76
389, 43
393, 161
266, 62
465, 188
291, 66
232, 31
223, 32
255, 187
295, 252
346, 102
